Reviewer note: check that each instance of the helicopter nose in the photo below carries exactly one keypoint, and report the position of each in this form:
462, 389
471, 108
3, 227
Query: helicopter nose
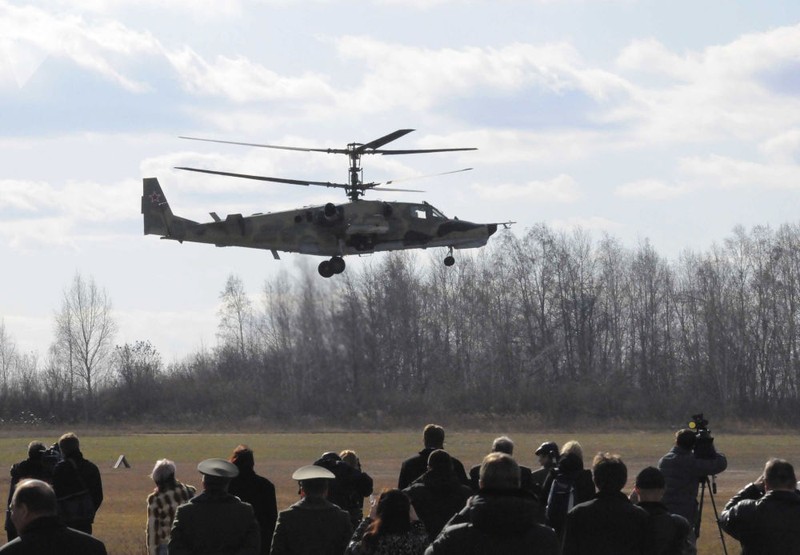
491, 229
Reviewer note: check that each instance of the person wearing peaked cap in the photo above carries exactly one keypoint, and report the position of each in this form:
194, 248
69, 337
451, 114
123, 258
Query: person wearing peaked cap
215, 521
313, 525
543, 478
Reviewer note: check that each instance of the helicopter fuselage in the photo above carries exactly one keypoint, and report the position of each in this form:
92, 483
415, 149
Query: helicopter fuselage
334, 230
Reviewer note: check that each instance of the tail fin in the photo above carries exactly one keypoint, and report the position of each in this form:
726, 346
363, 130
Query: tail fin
155, 208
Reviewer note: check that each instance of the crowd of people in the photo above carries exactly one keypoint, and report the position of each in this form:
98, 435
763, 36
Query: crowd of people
438, 508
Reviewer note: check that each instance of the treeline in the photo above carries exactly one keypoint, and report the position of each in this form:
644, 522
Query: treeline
563, 326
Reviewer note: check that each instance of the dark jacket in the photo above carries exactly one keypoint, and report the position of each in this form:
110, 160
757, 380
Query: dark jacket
34, 469
496, 522
412, 542
312, 526
416, 466
74, 474
214, 522
47, 535
260, 494
349, 488
667, 534
609, 524
436, 498
578, 480
682, 472
766, 526
542, 480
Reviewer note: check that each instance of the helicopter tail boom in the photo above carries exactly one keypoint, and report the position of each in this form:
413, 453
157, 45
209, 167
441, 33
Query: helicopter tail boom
158, 216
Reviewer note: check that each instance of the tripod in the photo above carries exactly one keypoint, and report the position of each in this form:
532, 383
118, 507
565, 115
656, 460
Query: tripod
711, 485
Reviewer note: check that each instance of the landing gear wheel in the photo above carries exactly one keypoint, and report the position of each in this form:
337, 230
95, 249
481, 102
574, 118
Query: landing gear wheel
325, 269
449, 260
337, 264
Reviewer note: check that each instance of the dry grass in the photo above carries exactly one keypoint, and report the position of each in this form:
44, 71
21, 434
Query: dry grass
121, 520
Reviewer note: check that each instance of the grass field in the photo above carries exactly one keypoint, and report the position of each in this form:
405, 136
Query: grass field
120, 522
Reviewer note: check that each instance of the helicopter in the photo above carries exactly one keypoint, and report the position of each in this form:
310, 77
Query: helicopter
332, 230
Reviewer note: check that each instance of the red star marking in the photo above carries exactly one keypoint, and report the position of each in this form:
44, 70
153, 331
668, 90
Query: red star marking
155, 198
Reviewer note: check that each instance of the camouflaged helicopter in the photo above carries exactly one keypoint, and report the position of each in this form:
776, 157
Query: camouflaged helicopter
332, 230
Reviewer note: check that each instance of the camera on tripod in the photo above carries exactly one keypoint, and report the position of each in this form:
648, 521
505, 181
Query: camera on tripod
704, 442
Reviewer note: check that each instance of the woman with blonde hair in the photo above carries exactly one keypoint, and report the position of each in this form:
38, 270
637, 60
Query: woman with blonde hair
571, 485
167, 496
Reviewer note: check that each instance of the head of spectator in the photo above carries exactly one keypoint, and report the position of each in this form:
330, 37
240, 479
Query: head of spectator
217, 474
36, 450
572, 448
164, 474
440, 462
313, 481
351, 458
392, 516
433, 436
650, 485
499, 472
69, 445
685, 439
503, 444
609, 473
243, 458
779, 475
548, 454
32, 499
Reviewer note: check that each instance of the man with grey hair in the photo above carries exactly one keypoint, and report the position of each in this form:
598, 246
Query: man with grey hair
215, 521
34, 513
498, 519
504, 444
764, 516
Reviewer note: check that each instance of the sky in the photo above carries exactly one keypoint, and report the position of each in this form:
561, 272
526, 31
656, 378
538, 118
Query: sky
671, 122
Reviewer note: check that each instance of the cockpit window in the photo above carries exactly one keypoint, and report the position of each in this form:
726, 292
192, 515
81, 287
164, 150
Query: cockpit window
426, 211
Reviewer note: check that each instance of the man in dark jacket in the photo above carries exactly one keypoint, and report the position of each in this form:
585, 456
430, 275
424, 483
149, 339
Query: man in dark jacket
683, 472
667, 534
765, 516
414, 467
542, 479
609, 524
437, 495
73, 476
31, 468
34, 512
313, 525
256, 490
499, 519
215, 521
504, 444
349, 487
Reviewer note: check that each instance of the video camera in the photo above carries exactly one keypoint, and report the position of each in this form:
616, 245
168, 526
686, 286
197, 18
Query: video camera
704, 442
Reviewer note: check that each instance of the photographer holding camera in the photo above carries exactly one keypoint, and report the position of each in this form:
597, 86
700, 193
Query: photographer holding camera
688, 464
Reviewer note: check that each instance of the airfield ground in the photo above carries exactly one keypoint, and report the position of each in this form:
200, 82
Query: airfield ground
120, 522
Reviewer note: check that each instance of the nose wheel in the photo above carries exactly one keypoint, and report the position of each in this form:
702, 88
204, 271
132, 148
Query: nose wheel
335, 265
449, 260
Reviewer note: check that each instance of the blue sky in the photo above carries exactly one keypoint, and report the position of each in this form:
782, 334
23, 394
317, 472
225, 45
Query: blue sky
666, 121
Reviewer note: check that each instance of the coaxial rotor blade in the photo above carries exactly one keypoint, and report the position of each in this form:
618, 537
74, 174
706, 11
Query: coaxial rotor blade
420, 177
265, 178
299, 148
377, 143
420, 151
378, 187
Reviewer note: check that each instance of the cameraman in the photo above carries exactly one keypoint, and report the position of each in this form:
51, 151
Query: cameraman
684, 470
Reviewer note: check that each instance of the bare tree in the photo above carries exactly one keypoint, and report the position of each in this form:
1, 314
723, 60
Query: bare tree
85, 327
236, 315
8, 359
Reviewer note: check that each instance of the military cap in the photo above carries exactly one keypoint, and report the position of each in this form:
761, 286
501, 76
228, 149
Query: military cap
312, 472
219, 468
547, 448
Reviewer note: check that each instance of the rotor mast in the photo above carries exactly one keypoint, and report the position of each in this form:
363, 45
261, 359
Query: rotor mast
356, 172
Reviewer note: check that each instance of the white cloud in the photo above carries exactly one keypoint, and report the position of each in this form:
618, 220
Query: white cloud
652, 189
562, 188
727, 173
783, 148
